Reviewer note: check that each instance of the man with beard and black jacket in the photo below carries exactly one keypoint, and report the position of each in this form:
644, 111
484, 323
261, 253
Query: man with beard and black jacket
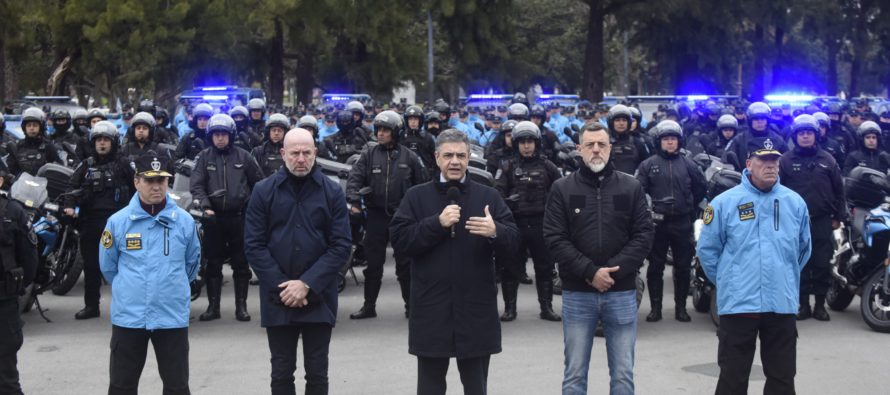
64, 138
268, 155
246, 137
757, 136
599, 229
676, 185
192, 144
141, 138
221, 183
32, 152
418, 141
870, 153
106, 181
390, 169
451, 229
727, 128
814, 175
524, 184
348, 141
628, 149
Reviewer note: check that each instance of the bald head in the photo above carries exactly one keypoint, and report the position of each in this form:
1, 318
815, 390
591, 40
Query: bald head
299, 152
298, 136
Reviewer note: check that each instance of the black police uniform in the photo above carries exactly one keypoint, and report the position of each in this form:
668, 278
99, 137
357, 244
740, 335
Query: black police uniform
628, 151
389, 171
736, 153
268, 156
815, 176
345, 143
29, 154
676, 185
872, 158
715, 144
529, 179
423, 145
231, 172
18, 255
74, 146
191, 145
106, 182
834, 148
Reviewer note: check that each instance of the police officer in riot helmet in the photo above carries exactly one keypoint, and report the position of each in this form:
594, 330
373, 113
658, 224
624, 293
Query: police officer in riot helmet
165, 130
160, 134
727, 127
221, 183
195, 142
418, 141
870, 153
106, 181
757, 136
832, 146
815, 176
628, 149
501, 149
18, 266
81, 123
390, 169
838, 131
433, 123
141, 138
35, 150
257, 109
675, 185
310, 123
524, 183
549, 138
518, 112
268, 154
245, 137
69, 142
5, 138
358, 113
95, 115
347, 141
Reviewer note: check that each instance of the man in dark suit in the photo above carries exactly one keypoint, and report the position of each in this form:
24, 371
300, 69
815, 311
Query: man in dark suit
451, 228
296, 238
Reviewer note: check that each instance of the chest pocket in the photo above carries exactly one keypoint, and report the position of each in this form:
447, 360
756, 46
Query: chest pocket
405, 171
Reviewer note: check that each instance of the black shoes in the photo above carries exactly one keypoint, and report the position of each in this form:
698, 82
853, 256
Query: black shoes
367, 311
654, 315
681, 315
87, 313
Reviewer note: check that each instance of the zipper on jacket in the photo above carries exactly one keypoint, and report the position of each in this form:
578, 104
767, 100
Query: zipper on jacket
225, 183
671, 182
386, 182
776, 213
599, 222
166, 241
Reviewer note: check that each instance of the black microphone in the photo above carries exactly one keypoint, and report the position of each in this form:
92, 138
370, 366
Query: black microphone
453, 194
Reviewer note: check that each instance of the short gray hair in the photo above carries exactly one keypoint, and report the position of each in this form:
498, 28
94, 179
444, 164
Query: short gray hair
452, 136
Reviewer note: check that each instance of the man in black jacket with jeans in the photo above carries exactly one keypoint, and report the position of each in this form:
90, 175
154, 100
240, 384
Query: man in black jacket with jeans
599, 229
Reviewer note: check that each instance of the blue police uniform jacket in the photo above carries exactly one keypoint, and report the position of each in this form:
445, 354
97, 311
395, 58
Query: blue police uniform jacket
753, 246
149, 262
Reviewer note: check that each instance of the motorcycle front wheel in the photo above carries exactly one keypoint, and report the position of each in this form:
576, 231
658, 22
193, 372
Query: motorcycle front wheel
838, 297
70, 267
26, 300
701, 300
875, 304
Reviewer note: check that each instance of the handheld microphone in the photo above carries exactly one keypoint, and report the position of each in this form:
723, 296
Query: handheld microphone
453, 194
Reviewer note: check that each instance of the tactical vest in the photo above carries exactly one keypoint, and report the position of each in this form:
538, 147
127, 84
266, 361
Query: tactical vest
12, 281
271, 159
103, 178
30, 158
530, 181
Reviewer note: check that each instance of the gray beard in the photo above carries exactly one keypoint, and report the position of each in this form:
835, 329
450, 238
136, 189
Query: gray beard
596, 168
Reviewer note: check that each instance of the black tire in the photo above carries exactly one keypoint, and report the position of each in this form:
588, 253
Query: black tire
71, 265
838, 297
875, 304
701, 300
341, 282
713, 308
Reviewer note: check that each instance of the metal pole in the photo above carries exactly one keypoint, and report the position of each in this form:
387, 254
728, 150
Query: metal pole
429, 56
625, 75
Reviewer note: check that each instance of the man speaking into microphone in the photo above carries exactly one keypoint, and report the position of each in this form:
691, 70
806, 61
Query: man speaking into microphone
451, 228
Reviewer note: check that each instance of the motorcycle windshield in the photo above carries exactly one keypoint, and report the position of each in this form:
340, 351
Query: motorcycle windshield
29, 190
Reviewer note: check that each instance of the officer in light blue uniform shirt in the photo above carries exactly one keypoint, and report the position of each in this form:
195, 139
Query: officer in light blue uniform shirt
754, 243
149, 253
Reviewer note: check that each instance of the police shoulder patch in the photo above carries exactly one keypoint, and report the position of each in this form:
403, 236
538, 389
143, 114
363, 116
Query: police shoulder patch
709, 215
107, 240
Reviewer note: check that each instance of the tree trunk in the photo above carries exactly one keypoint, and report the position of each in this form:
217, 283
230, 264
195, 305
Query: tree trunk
831, 80
305, 76
276, 65
779, 59
757, 88
2, 71
63, 67
592, 82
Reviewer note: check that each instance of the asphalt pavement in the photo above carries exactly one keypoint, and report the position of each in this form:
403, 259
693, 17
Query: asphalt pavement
370, 356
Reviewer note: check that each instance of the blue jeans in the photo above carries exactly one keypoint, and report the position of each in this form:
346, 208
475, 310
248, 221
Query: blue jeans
580, 313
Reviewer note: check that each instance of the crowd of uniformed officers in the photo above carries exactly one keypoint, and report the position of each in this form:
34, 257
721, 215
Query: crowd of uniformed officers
525, 148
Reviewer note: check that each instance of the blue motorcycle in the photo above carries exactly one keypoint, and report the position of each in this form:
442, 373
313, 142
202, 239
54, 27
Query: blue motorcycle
860, 262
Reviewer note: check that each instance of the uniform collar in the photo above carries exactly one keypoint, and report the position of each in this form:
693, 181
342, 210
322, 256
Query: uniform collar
136, 212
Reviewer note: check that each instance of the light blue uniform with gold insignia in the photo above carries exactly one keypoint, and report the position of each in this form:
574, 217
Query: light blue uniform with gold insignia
149, 262
753, 246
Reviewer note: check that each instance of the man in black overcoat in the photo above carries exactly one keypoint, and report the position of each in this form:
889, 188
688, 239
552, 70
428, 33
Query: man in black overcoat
451, 227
